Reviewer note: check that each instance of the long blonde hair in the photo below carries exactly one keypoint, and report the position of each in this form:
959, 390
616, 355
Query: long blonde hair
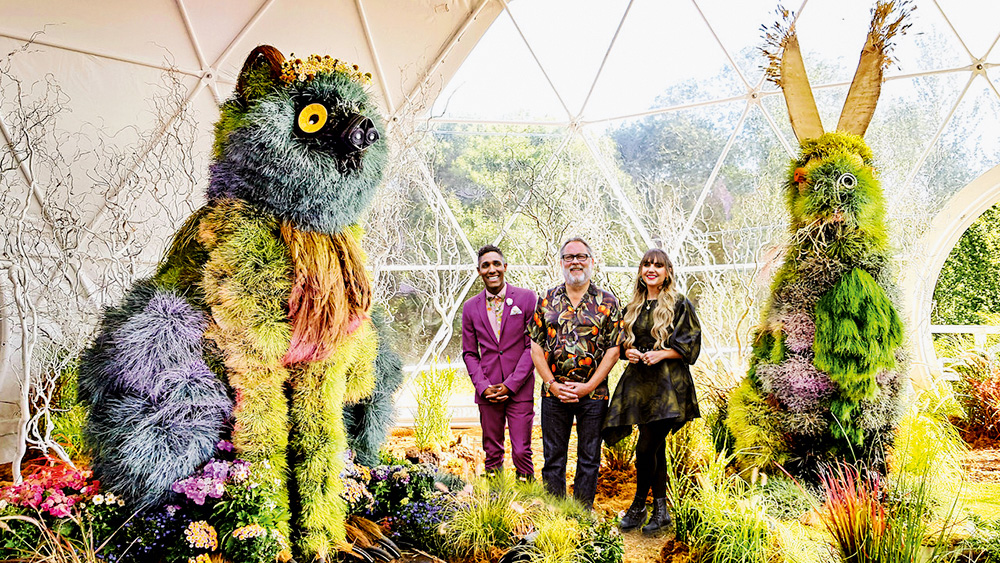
663, 313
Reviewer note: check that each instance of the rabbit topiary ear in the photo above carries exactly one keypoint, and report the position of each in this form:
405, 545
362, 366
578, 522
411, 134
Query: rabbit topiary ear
859, 107
261, 73
788, 71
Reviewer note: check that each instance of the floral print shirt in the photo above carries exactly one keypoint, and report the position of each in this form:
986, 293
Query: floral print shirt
576, 338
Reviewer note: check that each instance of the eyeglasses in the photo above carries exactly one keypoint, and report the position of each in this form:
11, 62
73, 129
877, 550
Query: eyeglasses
575, 257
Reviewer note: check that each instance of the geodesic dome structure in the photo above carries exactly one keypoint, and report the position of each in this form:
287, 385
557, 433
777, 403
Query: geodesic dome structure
630, 123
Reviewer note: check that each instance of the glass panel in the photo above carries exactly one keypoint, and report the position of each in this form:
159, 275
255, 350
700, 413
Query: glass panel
649, 68
418, 302
570, 41
488, 172
499, 80
909, 114
967, 148
975, 22
737, 25
665, 161
744, 213
929, 44
575, 200
410, 222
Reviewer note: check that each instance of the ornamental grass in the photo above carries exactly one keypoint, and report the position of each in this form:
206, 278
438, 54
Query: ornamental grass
873, 520
432, 425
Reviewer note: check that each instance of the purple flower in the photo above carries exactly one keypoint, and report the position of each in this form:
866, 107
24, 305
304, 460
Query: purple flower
217, 470
239, 471
402, 476
224, 446
208, 482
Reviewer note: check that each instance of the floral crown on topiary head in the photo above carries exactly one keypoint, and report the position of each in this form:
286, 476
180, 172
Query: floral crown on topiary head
294, 69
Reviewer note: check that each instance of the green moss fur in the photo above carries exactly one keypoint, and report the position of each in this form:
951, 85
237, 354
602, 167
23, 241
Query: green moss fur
753, 425
857, 333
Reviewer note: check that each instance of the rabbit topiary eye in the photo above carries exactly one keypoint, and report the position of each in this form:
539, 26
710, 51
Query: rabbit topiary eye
847, 180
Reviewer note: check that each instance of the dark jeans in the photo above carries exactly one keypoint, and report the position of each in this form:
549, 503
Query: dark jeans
557, 423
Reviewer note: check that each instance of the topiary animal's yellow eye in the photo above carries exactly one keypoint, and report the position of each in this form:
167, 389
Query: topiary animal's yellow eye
312, 118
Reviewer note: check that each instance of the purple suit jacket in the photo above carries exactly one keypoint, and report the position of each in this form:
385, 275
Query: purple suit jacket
508, 361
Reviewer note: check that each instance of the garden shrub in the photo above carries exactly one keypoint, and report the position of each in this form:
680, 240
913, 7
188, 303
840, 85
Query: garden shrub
984, 545
785, 498
927, 443
968, 287
978, 393
731, 525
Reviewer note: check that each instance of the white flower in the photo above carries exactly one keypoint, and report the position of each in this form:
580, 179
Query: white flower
98, 499
510, 301
515, 310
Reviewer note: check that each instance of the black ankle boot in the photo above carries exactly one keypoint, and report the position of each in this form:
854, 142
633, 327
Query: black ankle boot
660, 519
634, 517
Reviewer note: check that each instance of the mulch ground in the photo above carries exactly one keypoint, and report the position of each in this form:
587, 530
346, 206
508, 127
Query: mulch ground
983, 465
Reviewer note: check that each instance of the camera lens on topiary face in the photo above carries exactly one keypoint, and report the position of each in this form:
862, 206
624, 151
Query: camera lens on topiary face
356, 134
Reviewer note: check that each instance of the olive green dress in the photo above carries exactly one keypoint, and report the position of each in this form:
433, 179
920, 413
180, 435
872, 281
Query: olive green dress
665, 390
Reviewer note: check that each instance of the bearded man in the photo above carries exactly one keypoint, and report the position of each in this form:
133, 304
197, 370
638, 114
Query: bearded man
574, 335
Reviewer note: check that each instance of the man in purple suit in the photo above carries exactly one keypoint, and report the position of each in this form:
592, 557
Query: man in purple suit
497, 352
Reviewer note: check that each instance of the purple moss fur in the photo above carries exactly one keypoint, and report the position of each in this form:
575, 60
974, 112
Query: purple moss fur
156, 409
800, 331
797, 383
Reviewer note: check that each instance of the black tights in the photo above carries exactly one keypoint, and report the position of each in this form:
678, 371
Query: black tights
651, 459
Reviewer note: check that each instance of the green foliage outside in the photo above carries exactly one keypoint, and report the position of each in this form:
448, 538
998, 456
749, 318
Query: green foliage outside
968, 288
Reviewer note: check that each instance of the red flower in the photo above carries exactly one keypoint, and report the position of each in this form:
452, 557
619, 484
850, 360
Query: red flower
800, 175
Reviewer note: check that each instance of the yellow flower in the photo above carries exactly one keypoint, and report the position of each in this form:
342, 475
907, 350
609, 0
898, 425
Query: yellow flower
203, 558
248, 532
201, 535
297, 69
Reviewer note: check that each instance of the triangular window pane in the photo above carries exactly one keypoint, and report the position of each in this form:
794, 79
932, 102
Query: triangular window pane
975, 21
650, 69
967, 147
571, 50
500, 80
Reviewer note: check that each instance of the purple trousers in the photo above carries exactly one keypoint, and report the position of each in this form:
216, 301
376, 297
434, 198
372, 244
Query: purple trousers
519, 417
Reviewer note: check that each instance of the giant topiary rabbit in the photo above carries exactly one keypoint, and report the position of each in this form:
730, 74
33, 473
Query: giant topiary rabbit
828, 371
256, 326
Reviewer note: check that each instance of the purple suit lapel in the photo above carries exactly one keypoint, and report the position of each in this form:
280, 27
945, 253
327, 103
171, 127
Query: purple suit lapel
486, 326
505, 318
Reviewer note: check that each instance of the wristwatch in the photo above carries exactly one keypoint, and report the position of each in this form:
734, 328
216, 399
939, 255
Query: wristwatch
545, 387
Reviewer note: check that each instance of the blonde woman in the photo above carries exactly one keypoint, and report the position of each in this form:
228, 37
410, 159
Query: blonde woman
660, 338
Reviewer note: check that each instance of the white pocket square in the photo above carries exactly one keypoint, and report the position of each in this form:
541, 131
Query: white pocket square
515, 310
